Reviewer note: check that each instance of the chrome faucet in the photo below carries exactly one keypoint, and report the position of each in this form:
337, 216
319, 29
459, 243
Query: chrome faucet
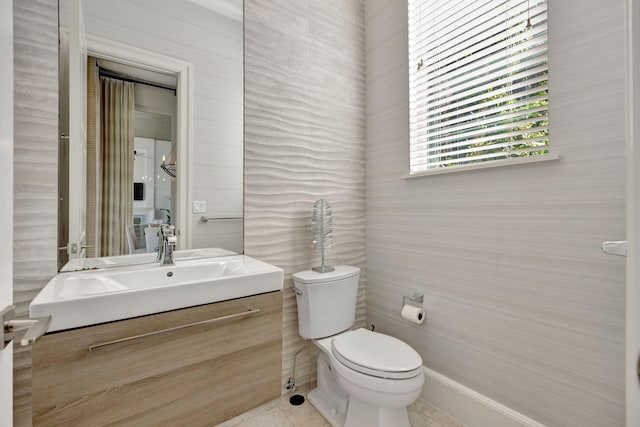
167, 241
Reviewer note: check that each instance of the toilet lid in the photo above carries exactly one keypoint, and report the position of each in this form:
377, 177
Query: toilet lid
376, 354
338, 273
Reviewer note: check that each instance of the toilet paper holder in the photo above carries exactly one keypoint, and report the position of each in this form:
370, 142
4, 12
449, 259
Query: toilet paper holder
416, 300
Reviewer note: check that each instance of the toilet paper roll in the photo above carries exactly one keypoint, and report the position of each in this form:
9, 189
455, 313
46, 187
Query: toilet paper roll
413, 314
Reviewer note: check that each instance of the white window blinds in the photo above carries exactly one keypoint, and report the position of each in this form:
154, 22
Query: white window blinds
477, 81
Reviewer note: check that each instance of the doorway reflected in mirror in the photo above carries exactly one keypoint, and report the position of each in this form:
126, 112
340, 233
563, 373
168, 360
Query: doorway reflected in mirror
131, 116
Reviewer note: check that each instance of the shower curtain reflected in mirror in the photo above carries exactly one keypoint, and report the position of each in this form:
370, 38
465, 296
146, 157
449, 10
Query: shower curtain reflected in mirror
117, 151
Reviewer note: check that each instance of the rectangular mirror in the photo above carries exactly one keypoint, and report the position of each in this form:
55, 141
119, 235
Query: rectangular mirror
151, 122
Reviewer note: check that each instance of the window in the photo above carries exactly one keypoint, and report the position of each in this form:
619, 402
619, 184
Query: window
477, 81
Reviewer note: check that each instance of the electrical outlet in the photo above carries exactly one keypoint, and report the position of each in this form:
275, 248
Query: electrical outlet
199, 206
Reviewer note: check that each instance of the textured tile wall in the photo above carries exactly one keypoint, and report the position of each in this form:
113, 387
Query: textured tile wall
522, 304
304, 139
35, 170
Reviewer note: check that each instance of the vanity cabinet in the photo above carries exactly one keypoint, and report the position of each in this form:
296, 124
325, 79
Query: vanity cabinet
176, 368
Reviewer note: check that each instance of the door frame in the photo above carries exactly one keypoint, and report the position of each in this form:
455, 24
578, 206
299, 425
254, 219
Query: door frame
6, 193
128, 55
632, 338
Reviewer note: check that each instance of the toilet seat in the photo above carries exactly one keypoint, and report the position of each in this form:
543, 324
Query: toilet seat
375, 354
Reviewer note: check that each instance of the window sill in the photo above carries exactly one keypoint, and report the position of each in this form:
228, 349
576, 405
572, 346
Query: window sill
486, 165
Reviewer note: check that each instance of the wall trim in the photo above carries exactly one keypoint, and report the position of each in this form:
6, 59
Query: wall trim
467, 405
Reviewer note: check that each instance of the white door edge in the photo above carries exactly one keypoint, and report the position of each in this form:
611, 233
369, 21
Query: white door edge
632, 339
6, 193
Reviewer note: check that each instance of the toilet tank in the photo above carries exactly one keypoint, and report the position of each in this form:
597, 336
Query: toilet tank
326, 301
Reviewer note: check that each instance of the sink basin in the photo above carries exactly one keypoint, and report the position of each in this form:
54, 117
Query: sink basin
77, 299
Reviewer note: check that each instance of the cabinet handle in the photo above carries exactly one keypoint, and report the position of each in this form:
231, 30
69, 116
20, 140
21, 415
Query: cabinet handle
250, 312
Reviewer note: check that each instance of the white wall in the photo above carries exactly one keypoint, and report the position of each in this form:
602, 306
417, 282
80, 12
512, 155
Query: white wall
155, 115
143, 171
522, 305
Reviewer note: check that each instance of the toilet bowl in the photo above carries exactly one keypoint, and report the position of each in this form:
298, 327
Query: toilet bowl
365, 378
373, 390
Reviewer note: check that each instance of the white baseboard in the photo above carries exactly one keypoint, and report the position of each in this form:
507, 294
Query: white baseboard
468, 406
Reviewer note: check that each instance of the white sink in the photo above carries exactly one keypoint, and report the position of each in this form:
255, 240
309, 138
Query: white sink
83, 298
81, 264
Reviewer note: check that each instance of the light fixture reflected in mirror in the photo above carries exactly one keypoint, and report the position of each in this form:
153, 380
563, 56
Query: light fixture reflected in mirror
169, 165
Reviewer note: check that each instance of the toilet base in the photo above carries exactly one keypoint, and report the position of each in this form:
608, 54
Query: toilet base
363, 414
341, 410
329, 398
326, 408
360, 414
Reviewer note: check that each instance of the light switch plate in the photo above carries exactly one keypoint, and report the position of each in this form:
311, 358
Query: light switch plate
199, 206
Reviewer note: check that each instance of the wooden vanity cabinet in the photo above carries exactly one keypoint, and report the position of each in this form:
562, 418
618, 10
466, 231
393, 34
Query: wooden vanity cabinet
193, 376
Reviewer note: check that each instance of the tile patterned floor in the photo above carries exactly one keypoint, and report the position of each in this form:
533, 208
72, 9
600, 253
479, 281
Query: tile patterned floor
280, 413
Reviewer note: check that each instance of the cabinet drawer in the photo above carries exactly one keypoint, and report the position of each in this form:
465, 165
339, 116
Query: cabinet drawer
172, 368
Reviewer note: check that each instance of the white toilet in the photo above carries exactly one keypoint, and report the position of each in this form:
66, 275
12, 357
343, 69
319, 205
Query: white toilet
365, 379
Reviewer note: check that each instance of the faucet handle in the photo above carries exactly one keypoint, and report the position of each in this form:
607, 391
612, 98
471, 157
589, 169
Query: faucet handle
168, 230
168, 241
